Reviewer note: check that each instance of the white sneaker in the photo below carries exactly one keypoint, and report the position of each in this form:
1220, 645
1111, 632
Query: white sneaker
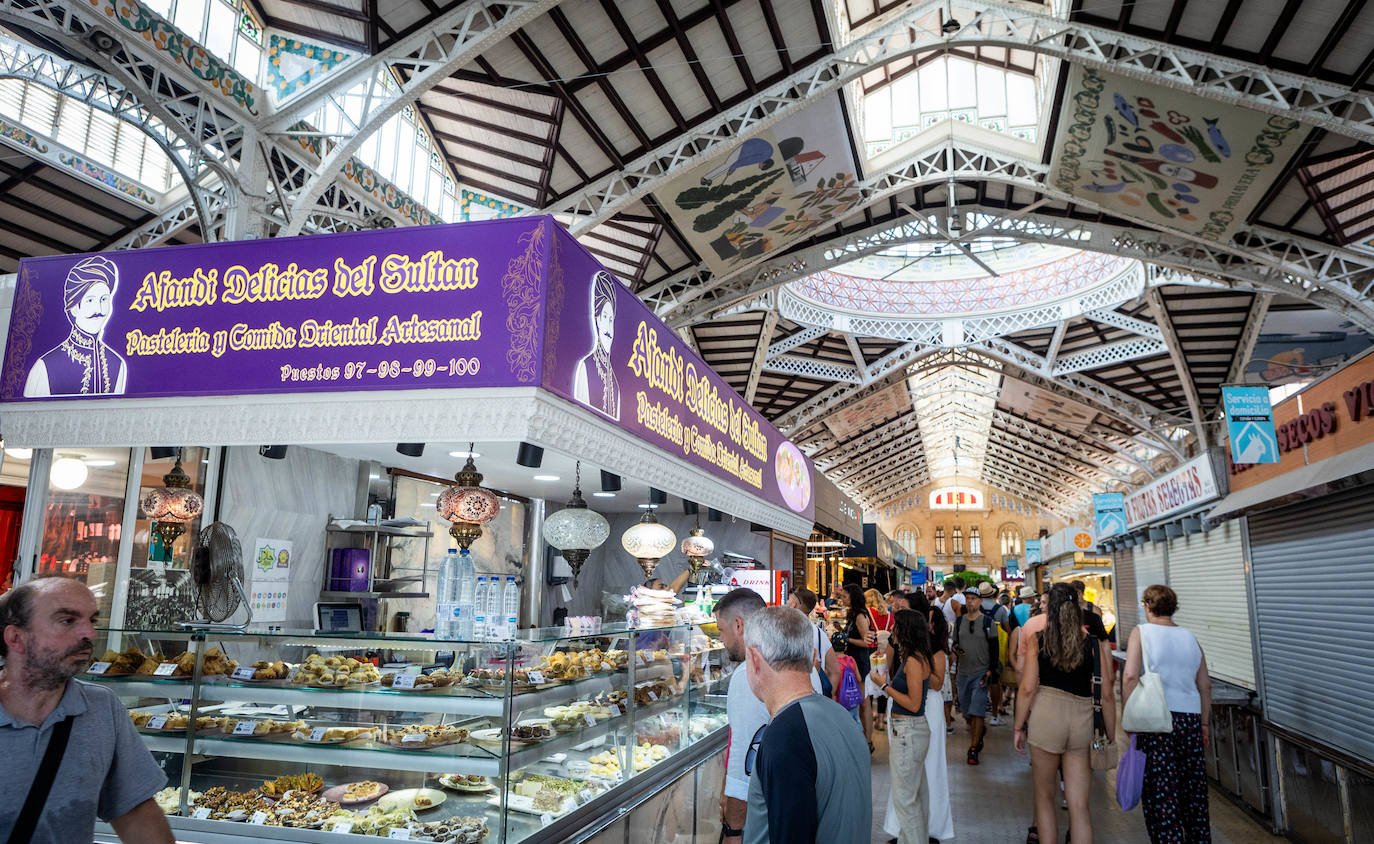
995, 721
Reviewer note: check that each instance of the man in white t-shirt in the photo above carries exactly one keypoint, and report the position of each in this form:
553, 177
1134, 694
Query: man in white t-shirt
805, 600
744, 711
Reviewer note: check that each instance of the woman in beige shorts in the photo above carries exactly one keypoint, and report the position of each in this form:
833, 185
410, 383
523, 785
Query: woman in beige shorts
1055, 702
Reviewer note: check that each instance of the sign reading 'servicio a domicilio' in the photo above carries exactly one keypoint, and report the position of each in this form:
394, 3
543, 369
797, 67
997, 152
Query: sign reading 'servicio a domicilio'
503, 303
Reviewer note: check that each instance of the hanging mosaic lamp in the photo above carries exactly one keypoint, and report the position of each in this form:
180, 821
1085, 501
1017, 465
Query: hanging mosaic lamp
648, 541
172, 506
467, 505
576, 529
697, 547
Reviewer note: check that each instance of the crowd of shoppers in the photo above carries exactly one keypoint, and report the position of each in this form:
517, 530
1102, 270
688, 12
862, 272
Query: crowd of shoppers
796, 767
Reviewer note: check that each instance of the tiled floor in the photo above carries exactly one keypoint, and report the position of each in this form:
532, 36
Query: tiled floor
992, 801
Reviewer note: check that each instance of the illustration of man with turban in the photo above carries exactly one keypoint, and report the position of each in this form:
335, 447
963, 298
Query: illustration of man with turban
82, 364
594, 381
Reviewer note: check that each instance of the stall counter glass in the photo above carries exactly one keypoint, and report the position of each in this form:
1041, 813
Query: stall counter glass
299, 736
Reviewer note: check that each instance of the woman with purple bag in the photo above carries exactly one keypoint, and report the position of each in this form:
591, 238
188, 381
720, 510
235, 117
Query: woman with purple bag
1174, 791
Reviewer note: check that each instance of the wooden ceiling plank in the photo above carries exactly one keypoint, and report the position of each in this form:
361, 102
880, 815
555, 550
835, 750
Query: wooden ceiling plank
603, 82
689, 52
732, 41
312, 32
329, 9
579, 111
622, 28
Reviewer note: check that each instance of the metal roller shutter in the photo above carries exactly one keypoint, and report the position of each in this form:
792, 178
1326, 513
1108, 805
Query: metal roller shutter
1313, 570
1127, 607
1149, 570
1207, 570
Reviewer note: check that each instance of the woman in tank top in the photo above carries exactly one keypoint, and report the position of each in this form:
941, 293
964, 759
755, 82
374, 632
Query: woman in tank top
1054, 712
1174, 796
910, 680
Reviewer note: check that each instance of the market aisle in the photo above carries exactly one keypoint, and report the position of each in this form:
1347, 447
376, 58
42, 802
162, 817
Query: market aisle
992, 801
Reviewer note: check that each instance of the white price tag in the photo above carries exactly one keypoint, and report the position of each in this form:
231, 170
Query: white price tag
639, 657
535, 675
244, 672
98, 668
342, 826
157, 723
545, 819
166, 669
317, 734
259, 818
245, 728
584, 795
203, 812
589, 718
400, 833
409, 738
652, 696
403, 681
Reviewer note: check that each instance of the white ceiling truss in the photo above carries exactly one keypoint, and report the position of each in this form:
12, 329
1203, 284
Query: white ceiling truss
423, 61
1334, 277
918, 30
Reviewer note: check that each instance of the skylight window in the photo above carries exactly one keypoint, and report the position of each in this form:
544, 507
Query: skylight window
227, 28
951, 88
93, 134
404, 153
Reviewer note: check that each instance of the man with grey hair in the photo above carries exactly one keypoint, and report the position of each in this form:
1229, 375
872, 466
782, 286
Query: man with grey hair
809, 770
744, 711
71, 752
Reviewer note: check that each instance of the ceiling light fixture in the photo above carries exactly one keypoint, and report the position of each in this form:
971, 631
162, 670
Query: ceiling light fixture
647, 541
68, 473
411, 449
576, 529
467, 505
603, 495
19, 453
546, 477
464, 454
610, 482
172, 506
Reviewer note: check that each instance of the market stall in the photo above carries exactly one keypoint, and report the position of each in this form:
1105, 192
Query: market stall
354, 406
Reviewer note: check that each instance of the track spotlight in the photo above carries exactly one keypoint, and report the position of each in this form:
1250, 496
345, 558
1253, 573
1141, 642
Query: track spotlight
411, 449
529, 456
162, 452
690, 508
610, 482
657, 496
712, 514
273, 452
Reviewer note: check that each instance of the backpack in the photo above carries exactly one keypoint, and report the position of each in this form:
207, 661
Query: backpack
850, 694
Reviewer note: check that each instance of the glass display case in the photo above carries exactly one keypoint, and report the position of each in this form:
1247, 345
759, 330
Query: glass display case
297, 736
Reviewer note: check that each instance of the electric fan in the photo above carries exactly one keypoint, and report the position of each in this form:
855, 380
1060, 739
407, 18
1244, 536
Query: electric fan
217, 574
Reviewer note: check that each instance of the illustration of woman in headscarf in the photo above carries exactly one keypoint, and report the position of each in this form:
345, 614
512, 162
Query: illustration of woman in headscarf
594, 381
82, 364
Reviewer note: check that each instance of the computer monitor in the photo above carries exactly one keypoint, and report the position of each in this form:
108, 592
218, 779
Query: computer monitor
338, 617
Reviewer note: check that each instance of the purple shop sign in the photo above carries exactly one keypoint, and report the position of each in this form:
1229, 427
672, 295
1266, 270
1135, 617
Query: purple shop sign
502, 303
606, 350
436, 306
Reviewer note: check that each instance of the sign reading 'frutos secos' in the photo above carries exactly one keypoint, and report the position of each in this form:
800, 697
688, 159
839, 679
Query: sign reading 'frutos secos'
376, 310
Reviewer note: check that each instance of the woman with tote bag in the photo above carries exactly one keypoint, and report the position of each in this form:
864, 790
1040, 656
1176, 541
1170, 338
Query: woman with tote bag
1161, 656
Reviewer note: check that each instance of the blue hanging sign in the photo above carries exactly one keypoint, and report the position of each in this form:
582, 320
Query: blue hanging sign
1250, 425
1032, 553
1109, 512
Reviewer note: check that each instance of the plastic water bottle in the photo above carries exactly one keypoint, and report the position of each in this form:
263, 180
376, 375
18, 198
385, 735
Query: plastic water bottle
493, 607
464, 605
510, 607
479, 600
444, 595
